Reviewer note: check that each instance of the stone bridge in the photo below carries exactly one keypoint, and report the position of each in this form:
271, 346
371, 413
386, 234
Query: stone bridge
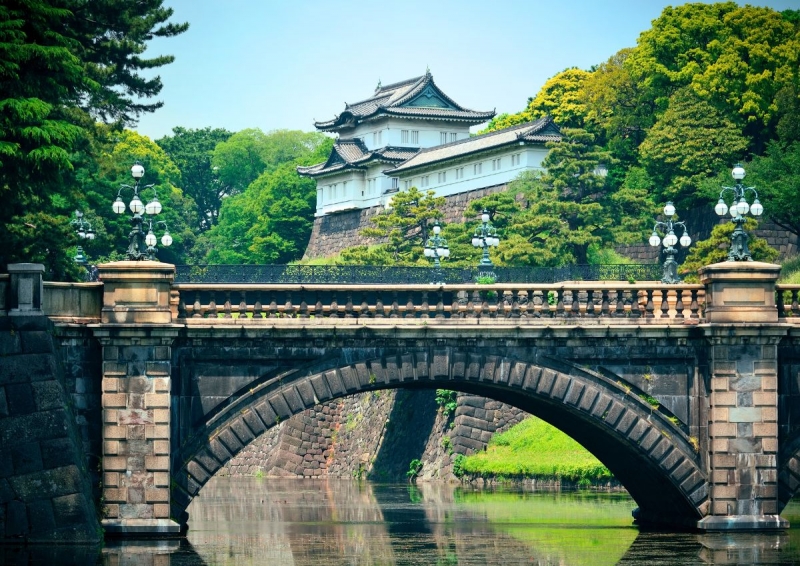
687, 393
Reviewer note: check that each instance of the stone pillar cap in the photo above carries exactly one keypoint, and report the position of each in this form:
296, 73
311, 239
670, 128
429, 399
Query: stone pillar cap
25, 268
750, 270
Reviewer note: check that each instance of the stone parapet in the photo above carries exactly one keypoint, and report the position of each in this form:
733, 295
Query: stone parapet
740, 291
136, 292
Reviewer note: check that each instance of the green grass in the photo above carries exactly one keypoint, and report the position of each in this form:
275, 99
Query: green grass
607, 256
534, 449
790, 271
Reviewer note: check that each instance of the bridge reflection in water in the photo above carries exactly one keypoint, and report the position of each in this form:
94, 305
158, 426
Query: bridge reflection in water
307, 522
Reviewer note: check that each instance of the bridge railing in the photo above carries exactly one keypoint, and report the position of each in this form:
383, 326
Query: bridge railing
651, 302
405, 275
786, 299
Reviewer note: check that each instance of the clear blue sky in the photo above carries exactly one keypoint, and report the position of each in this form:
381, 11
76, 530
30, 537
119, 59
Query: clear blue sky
273, 64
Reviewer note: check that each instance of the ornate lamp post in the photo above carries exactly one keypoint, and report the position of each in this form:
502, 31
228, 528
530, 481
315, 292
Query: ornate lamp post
670, 241
84, 230
739, 207
436, 247
140, 246
485, 236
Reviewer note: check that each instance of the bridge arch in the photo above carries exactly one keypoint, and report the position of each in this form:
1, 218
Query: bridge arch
651, 456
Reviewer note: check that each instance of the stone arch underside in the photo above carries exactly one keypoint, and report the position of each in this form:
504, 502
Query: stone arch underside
647, 453
788, 471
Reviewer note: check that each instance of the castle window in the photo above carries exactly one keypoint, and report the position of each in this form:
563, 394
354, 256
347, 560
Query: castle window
495, 164
441, 177
424, 181
453, 136
415, 136
515, 159
443, 137
403, 136
395, 183
476, 169
459, 173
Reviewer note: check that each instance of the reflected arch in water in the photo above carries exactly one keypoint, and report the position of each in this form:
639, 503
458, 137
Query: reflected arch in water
652, 457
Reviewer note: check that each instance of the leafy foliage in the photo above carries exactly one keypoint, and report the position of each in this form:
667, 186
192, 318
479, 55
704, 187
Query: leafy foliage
715, 249
405, 226
191, 151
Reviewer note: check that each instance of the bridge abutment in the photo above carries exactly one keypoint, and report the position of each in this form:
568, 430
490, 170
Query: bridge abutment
136, 335
743, 335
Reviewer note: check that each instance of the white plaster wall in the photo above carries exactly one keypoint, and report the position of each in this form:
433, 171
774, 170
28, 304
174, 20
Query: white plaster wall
391, 132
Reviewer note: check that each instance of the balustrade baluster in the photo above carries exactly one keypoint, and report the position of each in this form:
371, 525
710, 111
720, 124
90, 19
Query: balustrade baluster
348, 306
182, 306
319, 310
258, 307
515, 310
649, 307
363, 310
303, 310
227, 306
604, 303
395, 313
425, 309
410, 310
540, 304
679, 303
636, 311
779, 303
560, 313
197, 308
379, 309
334, 307
440, 306
273, 306
619, 308
664, 303
575, 308
242, 305
795, 308
590, 306
212, 307
694, 307
477, 304
288, 306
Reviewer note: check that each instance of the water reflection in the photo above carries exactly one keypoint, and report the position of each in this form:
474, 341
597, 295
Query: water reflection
246, 521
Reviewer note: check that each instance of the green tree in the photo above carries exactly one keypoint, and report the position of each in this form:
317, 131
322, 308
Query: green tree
736, 58
776, 177
406, 224
248, 153
191, 151
715, 249
271, 220
112, 171
62, 63
691, 141
560, 97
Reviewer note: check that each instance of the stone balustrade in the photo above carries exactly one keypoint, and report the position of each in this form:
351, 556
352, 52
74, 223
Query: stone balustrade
624, 302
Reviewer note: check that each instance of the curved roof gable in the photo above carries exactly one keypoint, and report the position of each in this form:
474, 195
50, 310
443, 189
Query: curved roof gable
540, 131
413, 98
353, 154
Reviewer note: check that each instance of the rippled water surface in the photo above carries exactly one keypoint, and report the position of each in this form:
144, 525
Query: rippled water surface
247, 521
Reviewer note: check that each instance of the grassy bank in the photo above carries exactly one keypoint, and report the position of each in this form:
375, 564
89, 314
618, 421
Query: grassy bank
534, 449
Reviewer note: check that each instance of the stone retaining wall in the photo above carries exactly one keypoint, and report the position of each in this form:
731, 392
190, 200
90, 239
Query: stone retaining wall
335, 232
375, 435
45, 489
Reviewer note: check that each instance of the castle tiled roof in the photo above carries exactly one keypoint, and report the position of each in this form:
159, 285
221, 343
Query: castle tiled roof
413, 98
542, 130
353, 154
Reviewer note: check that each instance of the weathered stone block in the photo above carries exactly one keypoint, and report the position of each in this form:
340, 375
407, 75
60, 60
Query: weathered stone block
156, 463
161, 511
767, 430
47, 395
111, 479
156, 495
116, 494
115, 463
160, 447
744, 414
156, 431
115, 432
111, 447
114, 400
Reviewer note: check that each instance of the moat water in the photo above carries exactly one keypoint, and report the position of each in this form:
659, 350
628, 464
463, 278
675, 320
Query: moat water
244, 521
